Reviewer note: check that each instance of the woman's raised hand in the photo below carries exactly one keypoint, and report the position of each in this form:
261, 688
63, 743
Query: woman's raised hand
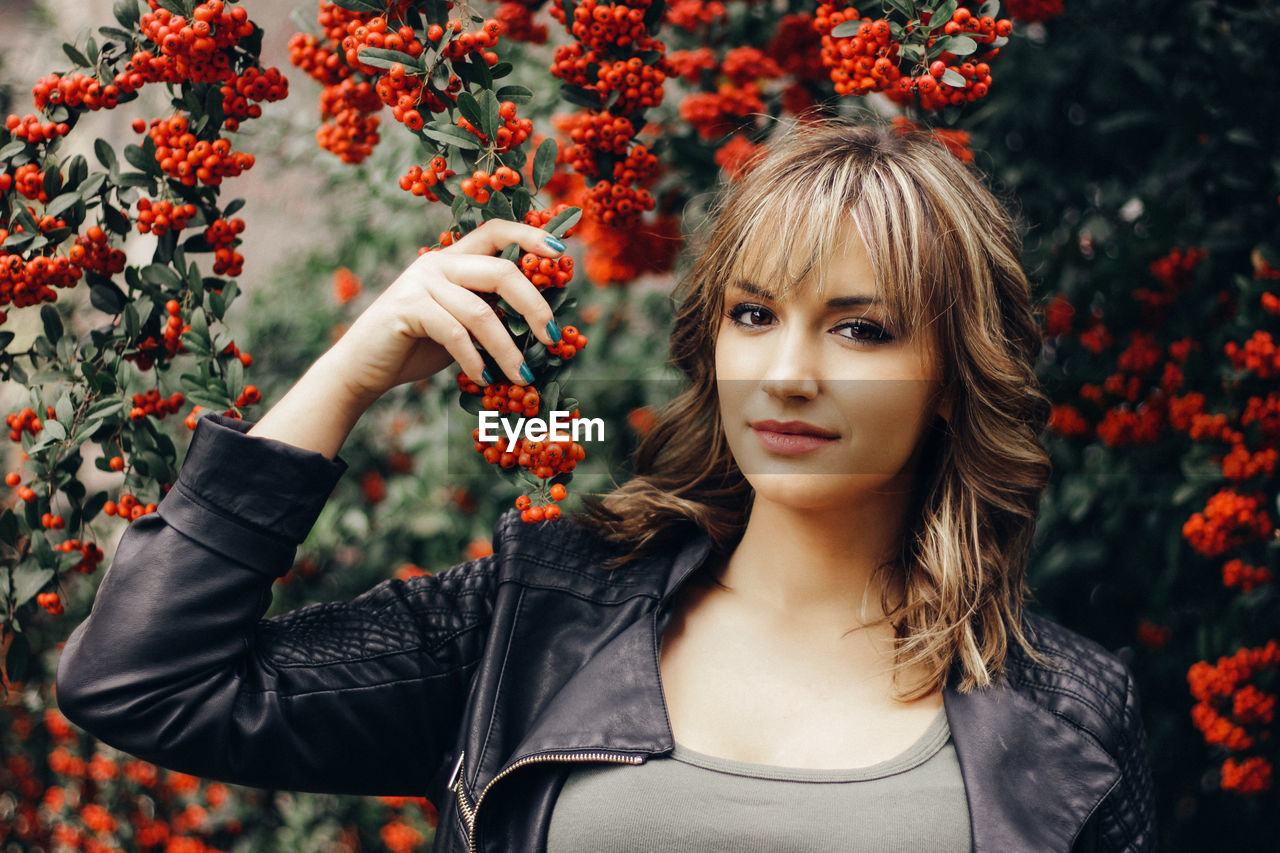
420, 324
424, 321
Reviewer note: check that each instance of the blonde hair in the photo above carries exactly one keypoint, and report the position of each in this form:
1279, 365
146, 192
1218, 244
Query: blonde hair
946, 261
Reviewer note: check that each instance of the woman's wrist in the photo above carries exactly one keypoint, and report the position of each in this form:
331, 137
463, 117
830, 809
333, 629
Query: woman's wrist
317, 413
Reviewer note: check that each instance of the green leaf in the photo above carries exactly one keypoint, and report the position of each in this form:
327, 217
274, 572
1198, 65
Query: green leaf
846, 29
76, 56
62, 204
91, 50
954, 78
52, 182
520, 203
450, 134
141, 160
136, 179
515, 94
360, 5
563, 221
580, 97
8, 527
942, 14
902, 6
959, 45
52, 322
116, 221
911, 52
53, 431
26, 220
106, 297
500, 206
92, 186
990, 9
470, 108
28, 580
64, 409
161, 275
77, 171
492, 120
379, 57
544, 162
18, 240
13, 149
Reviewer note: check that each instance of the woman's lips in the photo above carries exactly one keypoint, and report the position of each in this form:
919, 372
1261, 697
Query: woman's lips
790, 444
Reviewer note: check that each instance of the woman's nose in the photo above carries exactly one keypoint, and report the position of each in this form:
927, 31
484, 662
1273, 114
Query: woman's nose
794, 365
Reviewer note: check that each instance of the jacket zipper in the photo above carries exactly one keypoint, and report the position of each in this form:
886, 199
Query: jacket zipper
470, 811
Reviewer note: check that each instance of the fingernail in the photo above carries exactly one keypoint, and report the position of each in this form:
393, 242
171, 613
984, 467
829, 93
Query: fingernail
554, 243
485, 377
553, 330
525, 373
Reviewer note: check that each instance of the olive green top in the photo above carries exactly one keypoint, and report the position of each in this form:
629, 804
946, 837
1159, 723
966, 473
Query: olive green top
913, 803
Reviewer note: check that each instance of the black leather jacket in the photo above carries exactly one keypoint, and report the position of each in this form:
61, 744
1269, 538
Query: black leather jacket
482, 686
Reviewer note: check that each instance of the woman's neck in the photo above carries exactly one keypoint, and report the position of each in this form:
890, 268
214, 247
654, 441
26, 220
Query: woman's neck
814, 565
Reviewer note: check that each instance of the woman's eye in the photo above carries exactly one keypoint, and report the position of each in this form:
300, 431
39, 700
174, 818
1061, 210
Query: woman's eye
866, 332
746, 309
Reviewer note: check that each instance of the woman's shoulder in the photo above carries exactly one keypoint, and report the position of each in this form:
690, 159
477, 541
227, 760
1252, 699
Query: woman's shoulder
1077, 678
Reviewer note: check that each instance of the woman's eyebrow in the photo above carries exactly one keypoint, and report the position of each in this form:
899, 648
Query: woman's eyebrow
838, 302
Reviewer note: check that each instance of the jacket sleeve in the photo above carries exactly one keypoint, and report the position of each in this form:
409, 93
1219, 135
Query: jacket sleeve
176, 665
1128, 814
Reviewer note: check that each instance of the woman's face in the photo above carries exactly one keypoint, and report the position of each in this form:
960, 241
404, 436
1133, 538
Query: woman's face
832, 362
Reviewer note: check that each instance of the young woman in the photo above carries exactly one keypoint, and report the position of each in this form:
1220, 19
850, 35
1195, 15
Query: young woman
800, 626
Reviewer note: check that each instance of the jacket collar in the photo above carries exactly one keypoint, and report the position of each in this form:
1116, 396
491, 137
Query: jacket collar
1032, 780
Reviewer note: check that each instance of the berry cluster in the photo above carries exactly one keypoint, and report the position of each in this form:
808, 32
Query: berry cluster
570, 344
466, 43
1259, 355
531, 513
547, 272
23, 421
75, 90
481, 183
248, 396
402, 92
1229, 520
1238, 573
419, 180
871, 59
349, 127
376, 32
184, 157
92, 252
161, 217
318, 59
24, 283
518, 23
28, 180
49, 521
221, 236
1226, 700
714, 114
128, 507
154, 405
51, 602
31, 130
614, 57
197, 49
90, 555
240, 93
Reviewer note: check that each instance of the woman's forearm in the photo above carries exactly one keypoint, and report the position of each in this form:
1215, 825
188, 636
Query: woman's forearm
316, 414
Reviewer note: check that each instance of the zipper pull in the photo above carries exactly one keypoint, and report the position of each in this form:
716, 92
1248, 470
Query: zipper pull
452, 786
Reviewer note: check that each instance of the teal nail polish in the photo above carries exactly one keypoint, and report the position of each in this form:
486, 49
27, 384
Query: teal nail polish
553, 330
485, 377
525, 373
554, 243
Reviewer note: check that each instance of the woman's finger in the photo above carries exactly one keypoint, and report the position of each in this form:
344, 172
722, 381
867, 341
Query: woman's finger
496, 234
478, 318
484, 272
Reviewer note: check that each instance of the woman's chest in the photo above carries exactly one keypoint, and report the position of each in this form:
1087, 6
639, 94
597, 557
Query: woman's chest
791, 696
